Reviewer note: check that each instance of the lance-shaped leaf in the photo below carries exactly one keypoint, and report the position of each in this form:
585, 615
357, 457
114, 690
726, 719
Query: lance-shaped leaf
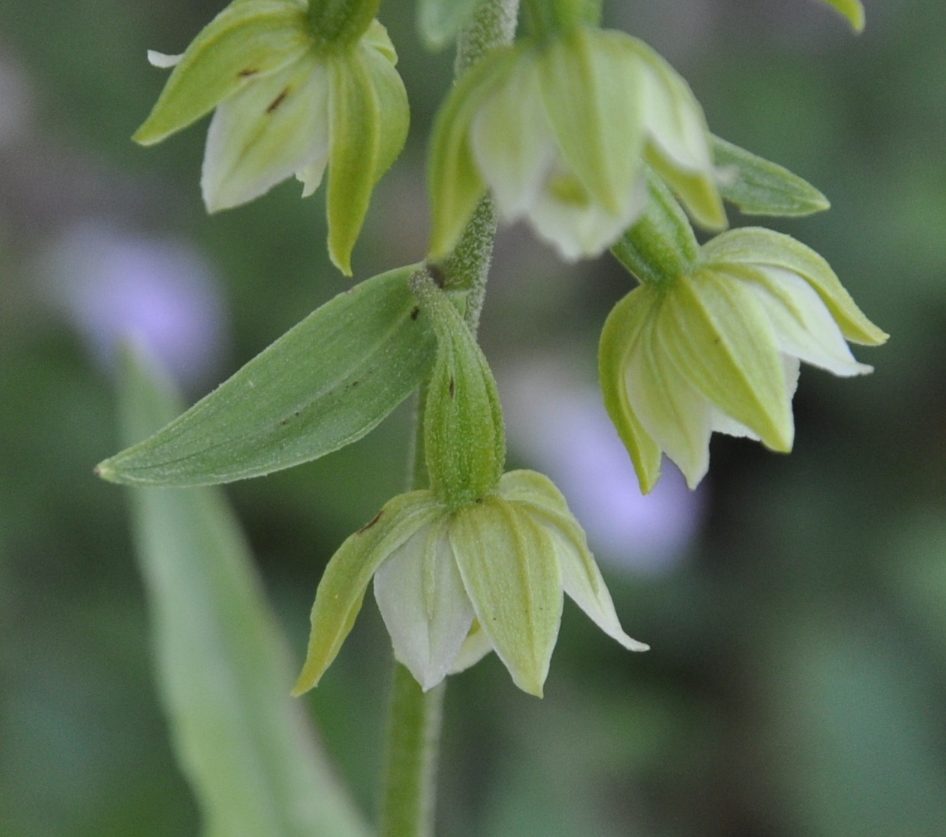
223, 667
759, 187
324, 384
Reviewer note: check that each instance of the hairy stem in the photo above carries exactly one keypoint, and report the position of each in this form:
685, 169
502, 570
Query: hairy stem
414, 722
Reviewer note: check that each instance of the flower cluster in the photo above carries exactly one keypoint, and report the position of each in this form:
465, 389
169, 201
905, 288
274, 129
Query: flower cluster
594, 140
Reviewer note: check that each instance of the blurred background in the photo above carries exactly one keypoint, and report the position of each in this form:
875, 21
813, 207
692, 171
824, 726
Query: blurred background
796, 606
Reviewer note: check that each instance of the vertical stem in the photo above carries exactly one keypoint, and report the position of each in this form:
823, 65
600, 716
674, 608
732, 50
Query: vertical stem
414, 724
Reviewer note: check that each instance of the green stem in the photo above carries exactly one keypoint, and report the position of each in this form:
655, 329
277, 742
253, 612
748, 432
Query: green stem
414, 723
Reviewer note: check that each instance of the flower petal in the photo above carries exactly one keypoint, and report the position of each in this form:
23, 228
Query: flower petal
592, 86
760, 246
618, 340
513, 579
803, 324
674, 413
241, 45
424, 606
581, 578
512, 142
568, 218
679, 140
721, 338
453, 176
264, 133
342, 588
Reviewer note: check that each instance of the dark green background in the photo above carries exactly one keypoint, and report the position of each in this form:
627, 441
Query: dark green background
797, 682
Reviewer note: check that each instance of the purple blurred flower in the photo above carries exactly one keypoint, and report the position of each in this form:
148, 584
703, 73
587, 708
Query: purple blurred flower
561, 427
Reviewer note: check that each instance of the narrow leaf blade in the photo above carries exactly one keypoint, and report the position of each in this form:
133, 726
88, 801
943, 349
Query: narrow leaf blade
223, 667
324, 384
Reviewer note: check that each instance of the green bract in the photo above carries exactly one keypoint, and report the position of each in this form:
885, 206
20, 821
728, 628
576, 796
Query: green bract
289, 100
558, 129
452, 585
464, 441
717, 348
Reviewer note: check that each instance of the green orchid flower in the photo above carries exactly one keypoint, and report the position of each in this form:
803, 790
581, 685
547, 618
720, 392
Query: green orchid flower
452, 585
558, 128
712, 339
297, 89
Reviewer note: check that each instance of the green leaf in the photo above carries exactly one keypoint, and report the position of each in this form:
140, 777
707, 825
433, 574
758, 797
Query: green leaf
439, 21
759, 187
324, 384
853, 10
223, 667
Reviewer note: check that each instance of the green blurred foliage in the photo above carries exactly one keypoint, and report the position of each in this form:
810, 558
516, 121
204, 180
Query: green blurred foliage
797, 681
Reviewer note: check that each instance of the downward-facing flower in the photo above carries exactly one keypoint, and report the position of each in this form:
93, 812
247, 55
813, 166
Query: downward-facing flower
297, 88
558, 128
478, 561
712, 340
454, 584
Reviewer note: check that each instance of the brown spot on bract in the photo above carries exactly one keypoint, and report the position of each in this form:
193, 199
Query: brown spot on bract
371, 522
415, 313
247, 73
278, 101
453, 387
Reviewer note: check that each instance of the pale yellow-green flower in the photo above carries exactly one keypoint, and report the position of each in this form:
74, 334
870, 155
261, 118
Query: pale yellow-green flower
558, 129
290, 99
716, 344
454, 584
